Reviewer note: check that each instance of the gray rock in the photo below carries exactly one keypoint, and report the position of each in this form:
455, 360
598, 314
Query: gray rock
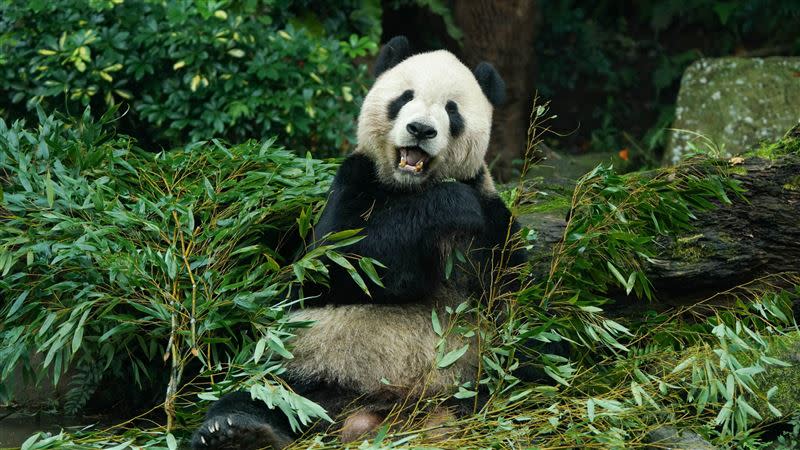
670, 438
736, 103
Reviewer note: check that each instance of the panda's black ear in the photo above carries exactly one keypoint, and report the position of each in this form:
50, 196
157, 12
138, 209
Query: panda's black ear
392, 54
491, 84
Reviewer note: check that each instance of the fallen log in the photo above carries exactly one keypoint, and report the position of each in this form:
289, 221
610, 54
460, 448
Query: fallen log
729, 246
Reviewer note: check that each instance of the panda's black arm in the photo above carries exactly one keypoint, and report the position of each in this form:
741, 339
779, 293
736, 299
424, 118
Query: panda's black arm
497, 232
402, 230
498, 220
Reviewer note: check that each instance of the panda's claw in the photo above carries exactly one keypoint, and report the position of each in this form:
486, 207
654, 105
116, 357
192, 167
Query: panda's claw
238, 431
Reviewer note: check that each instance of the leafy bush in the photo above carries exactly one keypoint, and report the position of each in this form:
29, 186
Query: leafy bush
189, 70
113, 258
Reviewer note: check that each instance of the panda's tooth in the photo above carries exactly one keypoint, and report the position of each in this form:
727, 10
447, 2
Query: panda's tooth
402, 162
419, 165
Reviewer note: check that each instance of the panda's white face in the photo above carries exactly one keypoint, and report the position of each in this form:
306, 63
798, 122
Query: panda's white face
425, 119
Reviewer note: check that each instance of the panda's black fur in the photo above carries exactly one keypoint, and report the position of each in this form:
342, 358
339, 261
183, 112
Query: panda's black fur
404, 230
409, 227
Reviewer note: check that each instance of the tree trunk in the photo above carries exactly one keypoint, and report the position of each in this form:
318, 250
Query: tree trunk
503, 33
730, 246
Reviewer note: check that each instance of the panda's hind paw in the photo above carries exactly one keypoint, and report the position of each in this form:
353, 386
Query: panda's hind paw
237, 432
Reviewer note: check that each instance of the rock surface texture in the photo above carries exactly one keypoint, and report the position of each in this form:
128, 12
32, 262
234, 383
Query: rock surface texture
736, 103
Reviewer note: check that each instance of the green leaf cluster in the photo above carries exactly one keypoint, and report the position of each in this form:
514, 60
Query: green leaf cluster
114, 261
618, 220
187, 70
117, 259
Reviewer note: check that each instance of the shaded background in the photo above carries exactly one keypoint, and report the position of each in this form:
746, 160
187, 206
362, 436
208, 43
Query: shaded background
295, 70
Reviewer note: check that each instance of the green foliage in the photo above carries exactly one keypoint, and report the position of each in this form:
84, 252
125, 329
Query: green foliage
726, 373
83, 383
613, 229
116, 259
189, 70
612, 232
616, 219
788, 145
625, 59
661, 366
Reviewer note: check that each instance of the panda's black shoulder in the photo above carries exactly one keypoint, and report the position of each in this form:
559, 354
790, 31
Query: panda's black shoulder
487, 197
493, 206
357, 171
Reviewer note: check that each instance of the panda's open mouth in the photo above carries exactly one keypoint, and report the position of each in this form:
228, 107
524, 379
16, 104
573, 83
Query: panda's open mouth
412, 159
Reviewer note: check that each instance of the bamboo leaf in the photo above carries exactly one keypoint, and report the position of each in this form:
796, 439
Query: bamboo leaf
630, 283
368, 267
172, 444
342, 235
742, 403
344, 263
451, 357
616, 273
448, 266
276, 345
121, 446
51, 195
261, 345
437, 326
18, 303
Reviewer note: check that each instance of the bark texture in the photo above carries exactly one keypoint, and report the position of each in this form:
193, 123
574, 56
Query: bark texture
503, 33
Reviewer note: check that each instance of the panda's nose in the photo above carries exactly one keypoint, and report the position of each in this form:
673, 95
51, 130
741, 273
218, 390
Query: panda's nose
421, 131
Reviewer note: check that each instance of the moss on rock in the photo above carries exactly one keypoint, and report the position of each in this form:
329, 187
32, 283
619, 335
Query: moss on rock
787, 379
793, 185
735, 103
689, 249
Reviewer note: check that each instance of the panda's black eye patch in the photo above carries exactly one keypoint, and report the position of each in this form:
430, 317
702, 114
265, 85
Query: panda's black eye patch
397, 104
456, 119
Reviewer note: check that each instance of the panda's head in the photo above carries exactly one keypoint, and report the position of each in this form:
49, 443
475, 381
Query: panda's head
427, 117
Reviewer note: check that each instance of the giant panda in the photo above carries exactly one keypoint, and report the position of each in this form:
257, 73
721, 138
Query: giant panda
418, 187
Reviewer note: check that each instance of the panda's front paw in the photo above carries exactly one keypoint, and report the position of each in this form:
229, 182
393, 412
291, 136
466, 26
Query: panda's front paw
237, 431
456, 205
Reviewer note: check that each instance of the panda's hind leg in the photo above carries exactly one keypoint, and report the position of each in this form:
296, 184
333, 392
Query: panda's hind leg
360, 425
237, 422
